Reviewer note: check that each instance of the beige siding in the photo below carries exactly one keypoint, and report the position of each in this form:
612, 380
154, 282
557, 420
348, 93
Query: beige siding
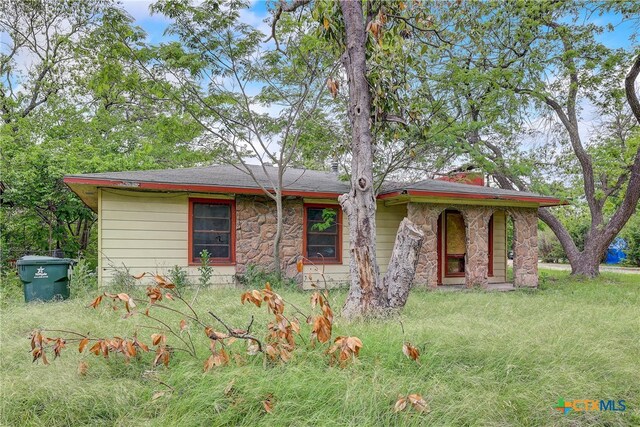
499, 248
387, 222
147, 232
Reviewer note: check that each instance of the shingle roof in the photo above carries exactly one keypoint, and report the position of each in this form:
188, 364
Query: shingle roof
446, 187
297, 182
303, 180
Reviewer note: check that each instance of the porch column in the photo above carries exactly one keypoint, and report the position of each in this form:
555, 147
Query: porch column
426, 216
477, 258
525, 247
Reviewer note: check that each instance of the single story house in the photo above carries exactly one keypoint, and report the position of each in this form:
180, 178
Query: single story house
156, 219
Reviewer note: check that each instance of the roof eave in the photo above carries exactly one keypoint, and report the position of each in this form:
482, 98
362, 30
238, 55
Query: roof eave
408, 195
196, 188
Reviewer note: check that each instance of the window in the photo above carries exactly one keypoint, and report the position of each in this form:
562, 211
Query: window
212, 227
323, 233
455, 244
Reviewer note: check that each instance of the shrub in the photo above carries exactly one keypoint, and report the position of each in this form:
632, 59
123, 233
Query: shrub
549, 247
179, 277
83, 278
254, 276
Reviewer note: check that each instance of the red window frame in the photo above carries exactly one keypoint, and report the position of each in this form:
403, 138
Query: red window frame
232, 237
315, 259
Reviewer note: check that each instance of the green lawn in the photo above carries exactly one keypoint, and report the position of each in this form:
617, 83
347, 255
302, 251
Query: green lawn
496, 359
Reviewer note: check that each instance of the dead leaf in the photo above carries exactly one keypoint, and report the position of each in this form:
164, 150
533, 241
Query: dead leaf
83, 344
333, 86
183, 325
325, 23
400, 404
96, 302
268, 404
157, 395
139, 276
158, 339
299, 266
410, 351
419, 404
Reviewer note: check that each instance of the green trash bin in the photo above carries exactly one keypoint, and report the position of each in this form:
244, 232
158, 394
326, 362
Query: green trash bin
45, 278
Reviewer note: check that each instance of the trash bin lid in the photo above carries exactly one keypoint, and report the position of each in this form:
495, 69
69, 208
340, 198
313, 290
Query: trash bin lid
43, 260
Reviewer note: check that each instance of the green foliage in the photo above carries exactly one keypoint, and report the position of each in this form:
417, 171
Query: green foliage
11, 289
179, 276
93, 112
84, 279
470, 374
121, 279
328, 217
631, 234
549, 248
205, 270
256, 276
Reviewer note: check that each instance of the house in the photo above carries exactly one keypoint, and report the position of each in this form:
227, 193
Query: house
153, 220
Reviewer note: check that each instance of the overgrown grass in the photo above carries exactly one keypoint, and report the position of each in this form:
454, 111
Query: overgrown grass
495, 359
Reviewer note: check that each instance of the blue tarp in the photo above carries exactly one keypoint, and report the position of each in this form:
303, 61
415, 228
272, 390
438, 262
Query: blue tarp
615, 253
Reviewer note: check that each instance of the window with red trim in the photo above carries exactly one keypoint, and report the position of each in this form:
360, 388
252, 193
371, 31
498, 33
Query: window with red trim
323, 233
212, 228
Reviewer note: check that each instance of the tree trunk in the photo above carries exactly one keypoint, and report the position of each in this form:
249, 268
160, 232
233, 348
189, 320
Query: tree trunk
360, 205
587, 263
403, 264
368, 294
277, 267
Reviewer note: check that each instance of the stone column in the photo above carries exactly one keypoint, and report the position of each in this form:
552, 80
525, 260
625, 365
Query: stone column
291, 243
477, 235
525, 247
426, 216
256, 222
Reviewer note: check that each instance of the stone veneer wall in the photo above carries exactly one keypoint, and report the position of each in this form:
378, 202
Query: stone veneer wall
425, 215
477, 231
477, 219
255, 228
525, 246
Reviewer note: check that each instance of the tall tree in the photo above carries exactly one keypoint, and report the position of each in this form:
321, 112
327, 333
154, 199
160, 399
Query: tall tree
545, 61
71, 103
257, 101
364, 34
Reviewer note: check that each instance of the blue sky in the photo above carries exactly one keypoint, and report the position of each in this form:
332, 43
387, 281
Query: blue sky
259, 11
155, 25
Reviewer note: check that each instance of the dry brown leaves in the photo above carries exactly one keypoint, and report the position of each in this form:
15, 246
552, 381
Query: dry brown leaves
217, 358
417, 402
254, 297
268, 404
410, 351
345, 349
333, 86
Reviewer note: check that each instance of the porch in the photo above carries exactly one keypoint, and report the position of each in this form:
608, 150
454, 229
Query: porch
458, 249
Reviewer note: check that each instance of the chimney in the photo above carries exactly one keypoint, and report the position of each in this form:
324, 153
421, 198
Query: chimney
334, 166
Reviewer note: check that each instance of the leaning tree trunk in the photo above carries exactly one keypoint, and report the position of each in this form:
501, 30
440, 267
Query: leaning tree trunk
403, 264
368, 294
